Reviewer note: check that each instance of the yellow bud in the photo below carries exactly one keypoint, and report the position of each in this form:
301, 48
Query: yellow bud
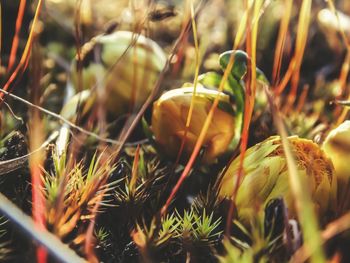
266, 177
170, 115
125, 64
337, 147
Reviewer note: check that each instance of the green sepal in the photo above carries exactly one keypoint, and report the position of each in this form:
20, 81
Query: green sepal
239, 68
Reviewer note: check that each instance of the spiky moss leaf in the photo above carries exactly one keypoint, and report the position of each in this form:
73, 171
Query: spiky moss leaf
266, 177
205, 227
189, 232
197, 229
169, 122
169, 225
145, 198
128, 68
69, 208
208, 201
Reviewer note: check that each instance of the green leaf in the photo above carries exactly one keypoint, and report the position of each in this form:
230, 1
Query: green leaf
239, 68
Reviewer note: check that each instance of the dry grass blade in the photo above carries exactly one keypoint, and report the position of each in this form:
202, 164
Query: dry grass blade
15, 41
303, 28
78, 43
59, 117
133, 120
282, 34
302, 98
345, 67
293, 71
56, 248
23, 63
304, 207
36, 137
201, 136
195, 82
252, 31
134, 170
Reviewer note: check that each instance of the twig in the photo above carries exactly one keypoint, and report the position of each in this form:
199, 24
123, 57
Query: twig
11, 111
57, 116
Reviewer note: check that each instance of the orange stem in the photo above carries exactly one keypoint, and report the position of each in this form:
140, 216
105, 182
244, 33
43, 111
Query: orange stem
281, 41
23, 63
15, 40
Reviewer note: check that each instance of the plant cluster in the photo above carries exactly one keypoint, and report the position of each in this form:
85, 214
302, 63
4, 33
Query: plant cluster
174, 131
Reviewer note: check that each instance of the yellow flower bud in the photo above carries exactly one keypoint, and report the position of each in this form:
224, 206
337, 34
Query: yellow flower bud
126, 64
337, 147
169, 122
266, 177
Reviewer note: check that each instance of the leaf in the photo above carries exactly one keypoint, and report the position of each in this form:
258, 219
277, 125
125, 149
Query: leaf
239, 68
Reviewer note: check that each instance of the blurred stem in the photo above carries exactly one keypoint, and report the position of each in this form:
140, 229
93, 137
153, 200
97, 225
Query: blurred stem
23, 63
36, 138
252, 31
282, 34
57, 249
15, 40
195, 82
304, 205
